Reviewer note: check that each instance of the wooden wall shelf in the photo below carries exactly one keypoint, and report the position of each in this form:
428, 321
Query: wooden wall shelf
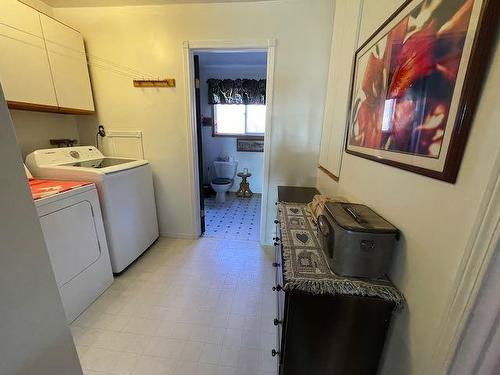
169, 82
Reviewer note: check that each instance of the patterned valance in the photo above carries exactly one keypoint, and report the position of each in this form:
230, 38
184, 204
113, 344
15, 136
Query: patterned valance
236, 91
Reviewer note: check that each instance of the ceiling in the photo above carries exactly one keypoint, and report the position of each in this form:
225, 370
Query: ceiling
103, 3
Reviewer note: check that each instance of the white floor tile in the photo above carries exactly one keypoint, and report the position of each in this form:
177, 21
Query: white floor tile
226, 370
186, 307
191, 351
147, 365
206, 369
186, 368
211, 354
249, 359
229, 356
142, 326
163, 347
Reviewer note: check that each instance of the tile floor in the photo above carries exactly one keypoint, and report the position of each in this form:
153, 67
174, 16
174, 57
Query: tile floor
184, 307
235, 219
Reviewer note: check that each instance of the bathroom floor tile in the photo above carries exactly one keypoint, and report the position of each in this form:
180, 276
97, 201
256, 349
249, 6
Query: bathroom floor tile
235, 219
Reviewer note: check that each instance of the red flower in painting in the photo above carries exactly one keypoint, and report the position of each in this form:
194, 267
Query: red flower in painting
369, 111
414, 60
408, 89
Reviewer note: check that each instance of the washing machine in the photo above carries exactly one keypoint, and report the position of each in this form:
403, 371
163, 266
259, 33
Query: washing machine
125, 189
72, 226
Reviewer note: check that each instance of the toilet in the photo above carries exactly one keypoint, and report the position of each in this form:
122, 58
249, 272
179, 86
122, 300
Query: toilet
224, 173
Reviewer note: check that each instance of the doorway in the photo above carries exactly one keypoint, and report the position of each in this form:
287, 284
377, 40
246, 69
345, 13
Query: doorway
230, 106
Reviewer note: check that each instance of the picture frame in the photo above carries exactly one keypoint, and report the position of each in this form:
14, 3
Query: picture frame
249, 145
416, 83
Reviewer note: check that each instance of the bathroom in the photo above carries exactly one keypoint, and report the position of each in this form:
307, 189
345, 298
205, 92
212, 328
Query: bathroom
232, 141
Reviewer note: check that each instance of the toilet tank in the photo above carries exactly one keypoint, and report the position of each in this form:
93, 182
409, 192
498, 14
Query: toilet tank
225, 169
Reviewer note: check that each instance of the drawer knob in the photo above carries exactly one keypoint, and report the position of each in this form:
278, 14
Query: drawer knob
276, 222
276, 264
276, 243
274, 353
276, 239
277, 321
277, 288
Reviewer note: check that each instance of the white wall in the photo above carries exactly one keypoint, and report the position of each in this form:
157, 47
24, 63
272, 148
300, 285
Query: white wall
213, 146
150, 39
436, 219
34, 129
34, 336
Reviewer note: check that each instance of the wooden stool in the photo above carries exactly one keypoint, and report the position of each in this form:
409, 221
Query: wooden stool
244, 190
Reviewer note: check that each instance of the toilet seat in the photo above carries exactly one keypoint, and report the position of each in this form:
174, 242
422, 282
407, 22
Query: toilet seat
221, 181
223, 178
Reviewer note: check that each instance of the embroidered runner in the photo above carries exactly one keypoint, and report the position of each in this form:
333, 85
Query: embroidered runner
305, 265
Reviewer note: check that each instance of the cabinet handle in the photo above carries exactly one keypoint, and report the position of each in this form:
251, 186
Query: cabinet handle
277, 288
274, 353
276, 243
276, 239
277, 321
276, 264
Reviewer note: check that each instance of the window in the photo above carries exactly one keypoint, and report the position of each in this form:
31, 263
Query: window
239, 120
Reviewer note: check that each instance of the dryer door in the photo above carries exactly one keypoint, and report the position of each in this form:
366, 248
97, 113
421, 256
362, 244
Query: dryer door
72, 240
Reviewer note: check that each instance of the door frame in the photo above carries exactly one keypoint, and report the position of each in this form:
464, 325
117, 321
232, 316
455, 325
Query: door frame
199, 138
189, 49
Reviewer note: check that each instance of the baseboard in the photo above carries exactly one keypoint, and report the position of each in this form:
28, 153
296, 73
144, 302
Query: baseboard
185, 236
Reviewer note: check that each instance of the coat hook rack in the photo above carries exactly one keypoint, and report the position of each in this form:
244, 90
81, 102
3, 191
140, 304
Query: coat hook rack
169, 82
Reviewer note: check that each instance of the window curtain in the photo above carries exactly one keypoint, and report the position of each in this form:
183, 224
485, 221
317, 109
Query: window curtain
236, 91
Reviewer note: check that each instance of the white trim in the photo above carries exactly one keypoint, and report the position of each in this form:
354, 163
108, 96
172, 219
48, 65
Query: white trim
265, 239
243, 45
185, 236
192, 152
472, 270
231, 66
124, 133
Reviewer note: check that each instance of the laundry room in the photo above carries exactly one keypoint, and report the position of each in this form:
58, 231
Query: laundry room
249, 187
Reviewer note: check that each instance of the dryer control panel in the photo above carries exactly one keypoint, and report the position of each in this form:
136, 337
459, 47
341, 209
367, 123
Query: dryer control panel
64, 155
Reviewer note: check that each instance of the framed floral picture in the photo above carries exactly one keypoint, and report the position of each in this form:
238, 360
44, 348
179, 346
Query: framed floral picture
416, 83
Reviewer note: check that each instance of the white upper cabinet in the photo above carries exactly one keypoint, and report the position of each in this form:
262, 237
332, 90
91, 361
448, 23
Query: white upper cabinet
24, 66
68, 62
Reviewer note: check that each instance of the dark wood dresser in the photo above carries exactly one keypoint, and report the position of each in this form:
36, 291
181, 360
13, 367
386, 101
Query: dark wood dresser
325, 334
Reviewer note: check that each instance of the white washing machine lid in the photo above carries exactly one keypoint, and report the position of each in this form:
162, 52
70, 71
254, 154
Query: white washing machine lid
99, 166
100, 163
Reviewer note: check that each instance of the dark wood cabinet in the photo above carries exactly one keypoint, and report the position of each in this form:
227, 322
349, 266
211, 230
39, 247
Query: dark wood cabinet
325, 334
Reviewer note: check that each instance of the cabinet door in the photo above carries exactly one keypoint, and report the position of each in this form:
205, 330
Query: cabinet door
24, 66
68, 63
